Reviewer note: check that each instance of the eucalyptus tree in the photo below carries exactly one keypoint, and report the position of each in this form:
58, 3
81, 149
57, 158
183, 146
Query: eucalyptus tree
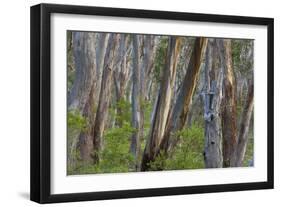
212, 97
136, 98
97, 130
84, 56
162, 102
85, 139
179, 111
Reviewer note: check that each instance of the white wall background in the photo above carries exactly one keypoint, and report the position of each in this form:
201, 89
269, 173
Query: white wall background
14, 101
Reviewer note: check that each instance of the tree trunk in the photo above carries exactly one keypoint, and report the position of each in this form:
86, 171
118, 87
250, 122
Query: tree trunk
244, 125
212, 102
159, 119
148, 53
229, 105
121, 75
180, 110
85, 144
135, 140
89, 112
102, 43
85, 70
104, 99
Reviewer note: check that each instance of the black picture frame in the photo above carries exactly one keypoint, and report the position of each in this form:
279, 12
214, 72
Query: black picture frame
41, 99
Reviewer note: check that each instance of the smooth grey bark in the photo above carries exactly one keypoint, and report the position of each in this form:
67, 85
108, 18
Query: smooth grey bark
85, 69
147, 53
212, 102
147, 62
244, 125
122, 73
135, 140
163, 103
102, 43
100, 51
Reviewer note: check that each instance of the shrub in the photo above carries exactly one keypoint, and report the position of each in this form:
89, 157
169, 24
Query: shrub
75, 124
187, 154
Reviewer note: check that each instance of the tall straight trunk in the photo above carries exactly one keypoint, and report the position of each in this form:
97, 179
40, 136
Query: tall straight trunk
85, 70
100, 50
121, 75
149, 53
180, 110
212, 102
163, 103
104, 99
85, 144
102, 43
135, 140
146, 65
244, 125
229, 105
85, 138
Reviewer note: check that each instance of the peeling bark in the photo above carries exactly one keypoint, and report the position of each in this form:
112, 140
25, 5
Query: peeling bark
180, 110
229, 104
163, 103
212, 102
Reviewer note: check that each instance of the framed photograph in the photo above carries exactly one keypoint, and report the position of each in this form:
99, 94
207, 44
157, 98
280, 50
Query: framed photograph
132, 103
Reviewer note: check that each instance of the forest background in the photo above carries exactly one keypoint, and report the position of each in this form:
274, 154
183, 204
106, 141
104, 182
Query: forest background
150, 102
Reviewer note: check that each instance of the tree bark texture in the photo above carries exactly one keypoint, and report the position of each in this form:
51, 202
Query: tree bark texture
180, 110
85, 69
212, 102
244, 125
122, 74
135, 140
229, 104
104, 98
89, 112
163, 103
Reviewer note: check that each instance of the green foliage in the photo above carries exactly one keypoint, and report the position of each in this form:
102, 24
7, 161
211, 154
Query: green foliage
115, 156
76, 124
146, 106
187, 154
76, 121
160, 58
249, 155
124, 107
160, 162
240, 55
